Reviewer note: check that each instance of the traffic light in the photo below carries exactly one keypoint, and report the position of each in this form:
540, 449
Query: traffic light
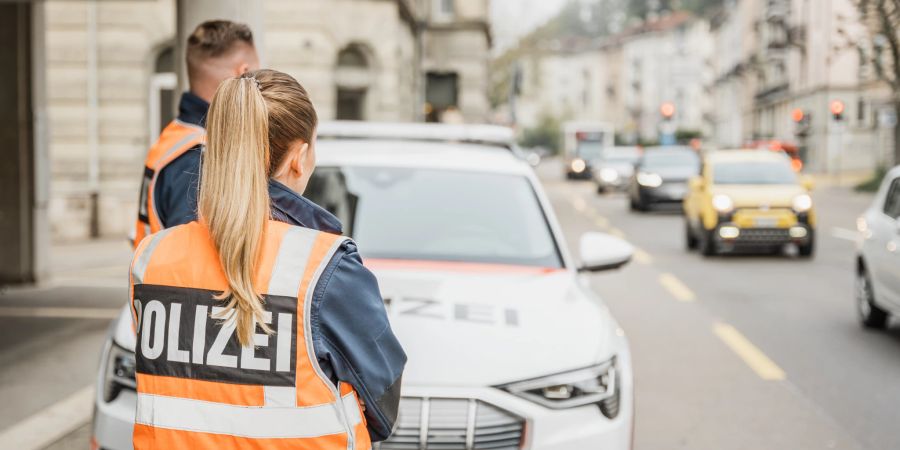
802, 120
667, 110
837, 110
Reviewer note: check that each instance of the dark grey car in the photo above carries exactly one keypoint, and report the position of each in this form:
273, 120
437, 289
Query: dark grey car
661, 176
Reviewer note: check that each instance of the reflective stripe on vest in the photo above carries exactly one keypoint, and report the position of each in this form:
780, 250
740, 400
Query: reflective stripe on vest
175, 140
195, 382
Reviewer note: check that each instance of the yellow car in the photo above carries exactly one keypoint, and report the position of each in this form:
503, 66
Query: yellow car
749, 199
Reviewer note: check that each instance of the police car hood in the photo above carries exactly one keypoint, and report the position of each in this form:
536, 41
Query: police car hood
486, 327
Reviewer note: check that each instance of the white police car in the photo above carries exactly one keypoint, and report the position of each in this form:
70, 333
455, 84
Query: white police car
507, 347
878, 257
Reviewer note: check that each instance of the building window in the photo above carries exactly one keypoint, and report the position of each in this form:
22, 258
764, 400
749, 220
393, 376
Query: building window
350, 104
353, 77
441, 96
161, 100
352, 56
444, 9
861, 111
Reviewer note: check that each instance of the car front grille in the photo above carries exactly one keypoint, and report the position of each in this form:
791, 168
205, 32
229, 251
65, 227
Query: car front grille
764, 235
454, 424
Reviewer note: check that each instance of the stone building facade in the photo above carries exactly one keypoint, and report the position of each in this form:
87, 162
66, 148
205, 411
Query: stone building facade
111, 82
667, 60
774, 57
621, 79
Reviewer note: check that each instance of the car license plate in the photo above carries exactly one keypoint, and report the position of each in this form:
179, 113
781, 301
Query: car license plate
766, 222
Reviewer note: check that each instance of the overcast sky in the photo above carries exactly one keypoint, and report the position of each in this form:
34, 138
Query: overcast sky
514, 18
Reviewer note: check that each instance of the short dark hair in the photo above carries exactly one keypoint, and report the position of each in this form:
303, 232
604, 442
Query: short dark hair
215, 38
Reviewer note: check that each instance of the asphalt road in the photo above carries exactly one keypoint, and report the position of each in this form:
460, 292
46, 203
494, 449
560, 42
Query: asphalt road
743, 352
737, 352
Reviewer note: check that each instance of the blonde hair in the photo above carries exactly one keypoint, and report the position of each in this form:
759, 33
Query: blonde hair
252, 121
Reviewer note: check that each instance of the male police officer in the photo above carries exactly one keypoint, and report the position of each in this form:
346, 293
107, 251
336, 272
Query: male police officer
216, 50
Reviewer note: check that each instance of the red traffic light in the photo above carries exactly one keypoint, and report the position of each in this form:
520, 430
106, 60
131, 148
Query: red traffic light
837, 108
797, 114
667, 109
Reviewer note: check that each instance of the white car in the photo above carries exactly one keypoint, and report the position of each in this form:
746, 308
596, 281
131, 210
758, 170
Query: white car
878, 258
508, 347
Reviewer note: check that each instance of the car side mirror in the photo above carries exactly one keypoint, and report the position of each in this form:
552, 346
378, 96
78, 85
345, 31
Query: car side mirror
696, 184
601, 251
807, 182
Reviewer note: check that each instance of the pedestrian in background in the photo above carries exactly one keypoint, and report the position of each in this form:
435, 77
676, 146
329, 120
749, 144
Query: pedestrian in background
252, 333
215, 51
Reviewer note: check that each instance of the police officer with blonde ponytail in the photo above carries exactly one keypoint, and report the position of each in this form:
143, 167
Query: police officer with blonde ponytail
254, 333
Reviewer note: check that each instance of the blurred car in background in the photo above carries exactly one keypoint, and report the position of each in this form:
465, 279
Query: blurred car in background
535, 155
583, 143
661, 176
749, 199
615, 167
878, 256
508, 348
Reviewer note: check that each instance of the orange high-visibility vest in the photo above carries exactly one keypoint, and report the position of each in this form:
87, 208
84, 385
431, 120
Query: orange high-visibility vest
197, 388
176, 139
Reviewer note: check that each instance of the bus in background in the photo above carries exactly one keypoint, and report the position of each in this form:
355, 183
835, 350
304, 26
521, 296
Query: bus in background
583, 143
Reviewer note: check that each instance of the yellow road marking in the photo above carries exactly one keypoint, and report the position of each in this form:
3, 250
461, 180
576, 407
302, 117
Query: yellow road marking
752, 355
601, 221
675, 287
642, 257
616, 232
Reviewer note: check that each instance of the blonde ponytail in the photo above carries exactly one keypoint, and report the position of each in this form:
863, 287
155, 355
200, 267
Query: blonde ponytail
234, 196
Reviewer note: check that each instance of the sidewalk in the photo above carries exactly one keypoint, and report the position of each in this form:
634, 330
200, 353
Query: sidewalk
54, 331
89, 263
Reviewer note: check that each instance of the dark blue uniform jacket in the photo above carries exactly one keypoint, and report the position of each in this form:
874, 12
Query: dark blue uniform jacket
351, 335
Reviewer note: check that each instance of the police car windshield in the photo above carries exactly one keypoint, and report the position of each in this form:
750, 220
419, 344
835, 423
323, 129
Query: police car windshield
446, 215
761, 172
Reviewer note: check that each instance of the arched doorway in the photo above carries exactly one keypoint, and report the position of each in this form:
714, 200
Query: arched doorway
161, 99
353, 77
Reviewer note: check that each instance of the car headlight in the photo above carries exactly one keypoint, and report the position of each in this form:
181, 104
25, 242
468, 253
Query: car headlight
118, 372
597, 385
609, 175
649, 179
578, 165
802, 203
722, 203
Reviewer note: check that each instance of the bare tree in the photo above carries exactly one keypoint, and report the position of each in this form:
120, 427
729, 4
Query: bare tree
881, 49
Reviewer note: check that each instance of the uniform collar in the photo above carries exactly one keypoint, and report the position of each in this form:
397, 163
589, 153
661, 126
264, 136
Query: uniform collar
294, 209
192, 109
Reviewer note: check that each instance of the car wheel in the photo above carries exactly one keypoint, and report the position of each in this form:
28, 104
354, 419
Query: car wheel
870, 315
807, 250
690, 240
708, 244
601, 189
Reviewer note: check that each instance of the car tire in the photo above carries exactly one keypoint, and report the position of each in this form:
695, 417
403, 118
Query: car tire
601, 190
870, 315
708, 246
690, 240
809, 249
